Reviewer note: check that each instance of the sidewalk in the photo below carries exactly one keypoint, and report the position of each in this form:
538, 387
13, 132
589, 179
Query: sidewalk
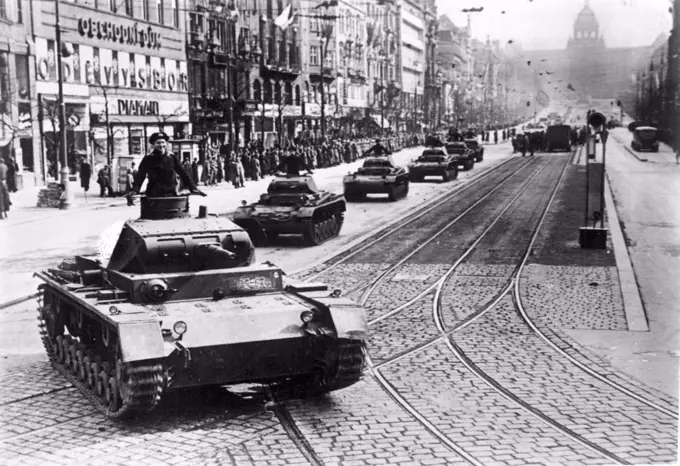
24, 202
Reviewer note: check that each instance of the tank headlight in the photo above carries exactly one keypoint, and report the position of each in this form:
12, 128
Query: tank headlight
307, 316
114, 311
244, 203
180, 327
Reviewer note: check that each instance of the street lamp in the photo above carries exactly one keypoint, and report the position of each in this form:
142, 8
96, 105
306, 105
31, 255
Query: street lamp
67, 198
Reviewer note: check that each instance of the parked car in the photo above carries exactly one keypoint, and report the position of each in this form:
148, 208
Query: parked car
645, 138
464, 155
434, 162
476, 147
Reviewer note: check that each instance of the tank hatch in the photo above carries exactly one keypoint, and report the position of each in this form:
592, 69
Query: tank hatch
180, 245
293, 185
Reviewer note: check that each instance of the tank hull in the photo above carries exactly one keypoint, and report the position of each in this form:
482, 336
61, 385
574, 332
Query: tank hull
315, 223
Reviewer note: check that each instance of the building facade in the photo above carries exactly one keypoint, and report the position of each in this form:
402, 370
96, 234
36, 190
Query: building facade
18, 114
124, 77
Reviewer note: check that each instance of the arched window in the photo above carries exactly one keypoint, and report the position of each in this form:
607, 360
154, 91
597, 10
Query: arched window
277, 92
257, 91
268, 92
297, 95
289, 94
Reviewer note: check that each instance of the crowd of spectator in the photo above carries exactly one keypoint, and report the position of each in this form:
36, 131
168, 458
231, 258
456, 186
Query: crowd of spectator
254, 161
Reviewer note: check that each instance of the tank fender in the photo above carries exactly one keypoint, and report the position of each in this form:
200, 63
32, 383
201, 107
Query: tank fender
306, 212
141, 340
349, 321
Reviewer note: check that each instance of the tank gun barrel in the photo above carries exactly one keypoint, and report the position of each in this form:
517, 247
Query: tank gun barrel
215, 251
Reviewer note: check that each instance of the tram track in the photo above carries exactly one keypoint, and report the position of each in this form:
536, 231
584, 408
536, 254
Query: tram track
446, 334
288, 420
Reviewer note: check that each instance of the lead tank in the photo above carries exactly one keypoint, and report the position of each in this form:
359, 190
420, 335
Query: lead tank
293, 205
181, 304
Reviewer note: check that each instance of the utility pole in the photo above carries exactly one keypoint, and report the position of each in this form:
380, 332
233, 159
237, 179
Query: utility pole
63, 144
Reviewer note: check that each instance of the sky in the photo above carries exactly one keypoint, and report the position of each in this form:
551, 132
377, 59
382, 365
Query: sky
548, 24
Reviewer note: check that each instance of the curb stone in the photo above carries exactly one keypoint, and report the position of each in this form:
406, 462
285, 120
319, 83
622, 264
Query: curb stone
630, 292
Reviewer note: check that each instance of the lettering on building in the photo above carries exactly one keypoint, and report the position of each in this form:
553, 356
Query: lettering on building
130, 35
138, 107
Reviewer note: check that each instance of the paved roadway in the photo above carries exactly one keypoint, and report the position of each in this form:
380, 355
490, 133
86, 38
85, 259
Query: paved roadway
458, 374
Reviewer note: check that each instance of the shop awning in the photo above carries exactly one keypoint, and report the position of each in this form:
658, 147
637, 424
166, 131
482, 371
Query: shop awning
378, 119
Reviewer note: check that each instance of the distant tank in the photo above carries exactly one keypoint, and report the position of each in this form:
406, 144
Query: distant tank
377, 175
293, 205
180, 304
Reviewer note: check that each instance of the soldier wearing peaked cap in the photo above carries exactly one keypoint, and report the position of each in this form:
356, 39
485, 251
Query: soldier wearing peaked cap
162, 167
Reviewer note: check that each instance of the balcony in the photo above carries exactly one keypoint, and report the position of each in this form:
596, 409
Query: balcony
277, 67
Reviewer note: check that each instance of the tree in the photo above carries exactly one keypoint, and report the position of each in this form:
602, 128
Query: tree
110, 131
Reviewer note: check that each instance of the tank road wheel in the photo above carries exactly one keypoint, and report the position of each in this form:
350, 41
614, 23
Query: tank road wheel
113, 397
87, 367
82, 365
58, 348
445, 176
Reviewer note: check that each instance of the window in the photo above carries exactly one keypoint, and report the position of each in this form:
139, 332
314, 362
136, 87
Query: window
175, 13
145, 9
314, 55
159, 11
128, 7
3, 9
136, 136
20, 11
113, 5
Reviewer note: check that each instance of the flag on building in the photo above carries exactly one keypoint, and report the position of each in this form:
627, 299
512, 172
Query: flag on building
286, 17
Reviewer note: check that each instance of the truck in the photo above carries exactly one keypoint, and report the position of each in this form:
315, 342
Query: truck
558, 137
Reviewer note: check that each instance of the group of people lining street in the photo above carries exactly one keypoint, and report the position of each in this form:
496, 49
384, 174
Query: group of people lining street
251, 162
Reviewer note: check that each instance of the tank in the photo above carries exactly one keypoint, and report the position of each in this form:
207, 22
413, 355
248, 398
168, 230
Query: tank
378, 175
293, 205
180, 304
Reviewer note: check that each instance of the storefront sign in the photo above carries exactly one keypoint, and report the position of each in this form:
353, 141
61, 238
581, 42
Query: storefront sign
138, 107
131, 35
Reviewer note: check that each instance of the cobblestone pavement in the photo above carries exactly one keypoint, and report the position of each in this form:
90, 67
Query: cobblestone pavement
505, 348
362, 425
200, 427
45, 420
476, 418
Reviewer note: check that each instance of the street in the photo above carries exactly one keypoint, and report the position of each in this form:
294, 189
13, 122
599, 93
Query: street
483, 346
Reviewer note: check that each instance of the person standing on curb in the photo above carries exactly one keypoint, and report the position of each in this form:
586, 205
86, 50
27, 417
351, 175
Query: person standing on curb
4, 192
85, 174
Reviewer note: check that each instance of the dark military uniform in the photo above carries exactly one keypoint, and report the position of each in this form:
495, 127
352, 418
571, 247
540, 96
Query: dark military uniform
292, 165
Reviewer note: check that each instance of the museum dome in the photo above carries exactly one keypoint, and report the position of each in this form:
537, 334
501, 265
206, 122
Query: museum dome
586, 19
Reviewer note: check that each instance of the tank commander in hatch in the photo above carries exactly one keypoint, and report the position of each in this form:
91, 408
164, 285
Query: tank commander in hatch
292, 165
162, 167
377, 149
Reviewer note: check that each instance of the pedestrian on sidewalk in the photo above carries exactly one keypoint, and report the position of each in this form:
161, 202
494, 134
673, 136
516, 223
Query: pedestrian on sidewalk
129, 183
85, 174
104, 181
4, 192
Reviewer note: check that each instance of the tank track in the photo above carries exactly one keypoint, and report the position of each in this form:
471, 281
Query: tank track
350, 364
119, 391
323, 226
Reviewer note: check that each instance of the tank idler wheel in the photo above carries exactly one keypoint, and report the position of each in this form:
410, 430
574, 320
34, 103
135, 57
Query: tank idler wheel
113, 396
